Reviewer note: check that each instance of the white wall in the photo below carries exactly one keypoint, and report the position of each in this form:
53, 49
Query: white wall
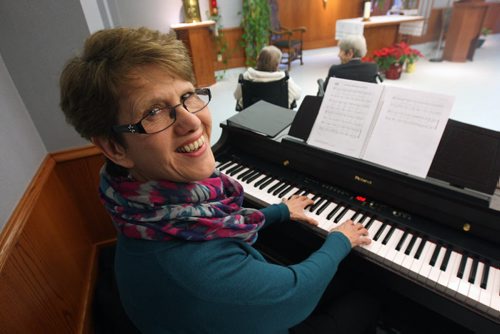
161, 14
21, 147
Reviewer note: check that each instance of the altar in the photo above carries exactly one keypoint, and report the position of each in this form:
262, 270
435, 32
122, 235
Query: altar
380, 31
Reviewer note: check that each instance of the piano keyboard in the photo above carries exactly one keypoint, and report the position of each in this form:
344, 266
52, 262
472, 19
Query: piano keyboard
438, 265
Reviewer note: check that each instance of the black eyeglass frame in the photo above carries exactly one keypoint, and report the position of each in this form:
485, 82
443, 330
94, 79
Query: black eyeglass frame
138, 128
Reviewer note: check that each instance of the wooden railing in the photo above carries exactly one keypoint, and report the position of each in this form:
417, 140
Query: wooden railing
49, 247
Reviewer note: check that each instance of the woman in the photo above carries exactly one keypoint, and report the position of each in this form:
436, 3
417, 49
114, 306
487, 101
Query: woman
184, 256
351, 50
267, 70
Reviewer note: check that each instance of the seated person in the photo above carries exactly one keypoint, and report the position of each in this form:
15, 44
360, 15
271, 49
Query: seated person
266, 70
351, 49
185, 260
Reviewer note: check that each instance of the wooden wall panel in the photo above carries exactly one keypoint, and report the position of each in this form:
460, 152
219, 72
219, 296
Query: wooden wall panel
48, 248
492, 18
317, 18
235, 53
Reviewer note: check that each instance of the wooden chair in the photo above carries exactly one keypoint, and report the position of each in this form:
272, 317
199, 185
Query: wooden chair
275, 92
288, 40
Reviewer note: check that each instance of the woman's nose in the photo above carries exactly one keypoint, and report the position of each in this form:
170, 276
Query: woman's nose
185, 121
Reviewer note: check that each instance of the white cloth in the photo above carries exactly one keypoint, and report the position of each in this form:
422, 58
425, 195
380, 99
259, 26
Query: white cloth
294, 91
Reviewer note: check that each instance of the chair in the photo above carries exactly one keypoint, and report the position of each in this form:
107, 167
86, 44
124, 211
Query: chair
289, 41
275, 92
321, 83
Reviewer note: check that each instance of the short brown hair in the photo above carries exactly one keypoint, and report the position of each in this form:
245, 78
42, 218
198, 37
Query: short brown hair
91, 83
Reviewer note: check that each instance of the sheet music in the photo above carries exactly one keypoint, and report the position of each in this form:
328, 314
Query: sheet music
345, 115
408, 130
394, 127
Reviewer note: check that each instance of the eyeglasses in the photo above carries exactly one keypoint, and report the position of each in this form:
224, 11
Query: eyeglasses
160, 118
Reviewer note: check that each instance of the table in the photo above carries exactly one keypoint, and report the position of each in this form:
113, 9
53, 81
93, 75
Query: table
380, 31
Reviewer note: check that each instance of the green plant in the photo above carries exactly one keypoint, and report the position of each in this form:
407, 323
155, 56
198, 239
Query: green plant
255, 23
221, 44
485, 31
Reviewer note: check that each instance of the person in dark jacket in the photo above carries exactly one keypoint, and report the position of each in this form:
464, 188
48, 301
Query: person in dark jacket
351, 50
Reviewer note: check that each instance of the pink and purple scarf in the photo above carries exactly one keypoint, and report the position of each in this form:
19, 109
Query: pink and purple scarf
163, 210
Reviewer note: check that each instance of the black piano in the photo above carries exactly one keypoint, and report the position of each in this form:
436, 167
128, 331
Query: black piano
436, 241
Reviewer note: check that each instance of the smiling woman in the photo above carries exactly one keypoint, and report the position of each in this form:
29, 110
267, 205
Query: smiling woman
184, 251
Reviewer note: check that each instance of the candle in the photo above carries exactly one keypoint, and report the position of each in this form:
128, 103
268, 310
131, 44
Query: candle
366, 12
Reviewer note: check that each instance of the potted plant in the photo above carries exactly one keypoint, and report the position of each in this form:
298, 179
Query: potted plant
410, 56
255, 23
482, 37
389, 61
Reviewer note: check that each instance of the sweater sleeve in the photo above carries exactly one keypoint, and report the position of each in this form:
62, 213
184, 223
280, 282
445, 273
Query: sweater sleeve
275, 213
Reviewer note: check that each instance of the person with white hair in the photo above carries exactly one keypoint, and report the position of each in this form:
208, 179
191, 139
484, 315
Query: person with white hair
351, 50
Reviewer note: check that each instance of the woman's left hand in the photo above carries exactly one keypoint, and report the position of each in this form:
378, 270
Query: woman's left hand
296, 205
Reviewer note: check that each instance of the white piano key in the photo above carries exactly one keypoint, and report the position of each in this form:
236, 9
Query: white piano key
398, 259
454, 281
495, 297
485, 295
378, 243
326, 224
436, 270
408, 259
371, 232
445, 276
463, 287
388, 251
418, 263
475, 288
424, 271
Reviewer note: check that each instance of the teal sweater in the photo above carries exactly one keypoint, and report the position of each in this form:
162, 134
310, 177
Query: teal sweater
221, 286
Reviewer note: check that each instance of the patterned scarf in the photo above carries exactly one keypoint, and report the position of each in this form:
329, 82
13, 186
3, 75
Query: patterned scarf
164, 210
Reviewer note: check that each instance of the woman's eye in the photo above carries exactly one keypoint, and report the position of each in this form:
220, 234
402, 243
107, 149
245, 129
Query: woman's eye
154, 111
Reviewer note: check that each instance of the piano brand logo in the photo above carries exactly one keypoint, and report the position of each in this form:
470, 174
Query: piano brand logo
362, 180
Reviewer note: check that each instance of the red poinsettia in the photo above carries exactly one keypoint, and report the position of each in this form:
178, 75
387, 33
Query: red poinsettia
396, 54
409, 54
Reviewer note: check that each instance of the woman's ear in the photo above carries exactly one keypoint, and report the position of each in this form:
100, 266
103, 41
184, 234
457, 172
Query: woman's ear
113, 151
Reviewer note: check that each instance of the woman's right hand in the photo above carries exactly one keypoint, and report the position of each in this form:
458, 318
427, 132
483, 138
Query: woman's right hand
356, 233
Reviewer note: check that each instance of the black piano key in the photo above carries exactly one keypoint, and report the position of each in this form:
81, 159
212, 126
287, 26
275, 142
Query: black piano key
389, 235
446, 259
245, 175
262, 180
323, 207
356, 215
274, 187
230, 170
280, 188
461, 268
420, 248
434, 256
224, 165
266, 183
370, 222
411, 244
473, 270
341, 214
303, 192
317, 204
237, 170
308, 207
285, 191
401, 241
484, 277
253, 177
334, 211
379, 231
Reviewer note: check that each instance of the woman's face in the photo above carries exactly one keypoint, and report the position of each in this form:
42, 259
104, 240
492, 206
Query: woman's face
165, 155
